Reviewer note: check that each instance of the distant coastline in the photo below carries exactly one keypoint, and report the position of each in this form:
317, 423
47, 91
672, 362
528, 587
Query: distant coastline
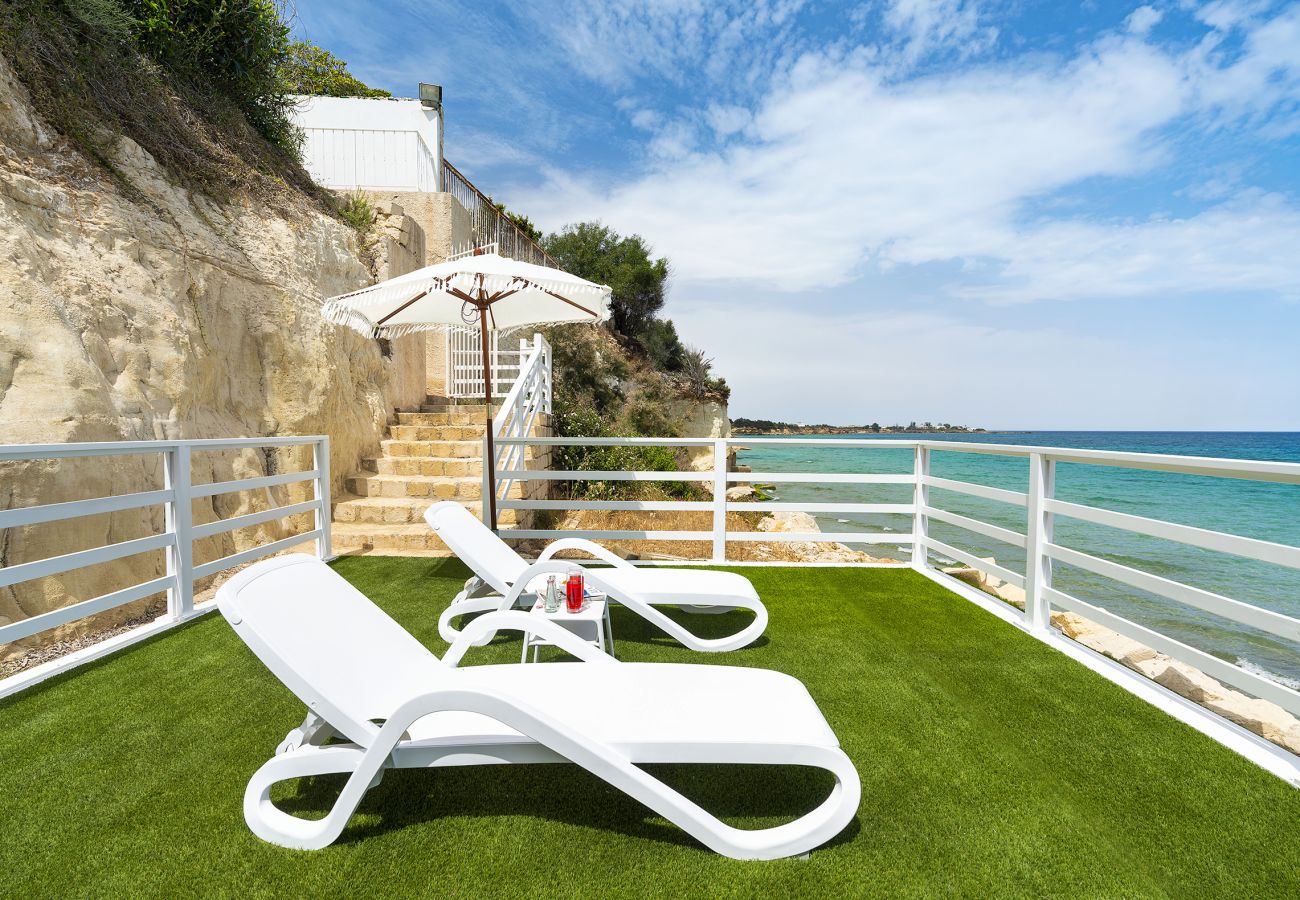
765, 426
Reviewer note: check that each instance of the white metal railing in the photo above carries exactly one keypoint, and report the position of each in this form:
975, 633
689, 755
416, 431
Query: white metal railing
464, 360
176, 540
1041, 510
528, 397
488, 224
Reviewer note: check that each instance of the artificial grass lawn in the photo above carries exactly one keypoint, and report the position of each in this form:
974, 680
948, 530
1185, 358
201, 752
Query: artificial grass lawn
990, 764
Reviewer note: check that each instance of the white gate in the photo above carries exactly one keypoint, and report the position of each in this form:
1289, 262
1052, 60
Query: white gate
465, 361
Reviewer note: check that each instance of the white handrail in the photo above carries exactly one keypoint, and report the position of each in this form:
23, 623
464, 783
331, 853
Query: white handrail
176, 539
512, 426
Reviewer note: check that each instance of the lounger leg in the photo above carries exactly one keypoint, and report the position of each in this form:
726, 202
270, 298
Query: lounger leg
277, 827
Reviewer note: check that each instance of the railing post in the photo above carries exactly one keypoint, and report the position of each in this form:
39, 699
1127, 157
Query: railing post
178, 516
720, 500
545, 346
1038, 568
320, 461
920, 500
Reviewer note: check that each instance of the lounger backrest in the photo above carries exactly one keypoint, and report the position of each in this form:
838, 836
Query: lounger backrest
340, 653
490, 557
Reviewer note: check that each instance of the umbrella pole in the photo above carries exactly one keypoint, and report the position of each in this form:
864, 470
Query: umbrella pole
490, 459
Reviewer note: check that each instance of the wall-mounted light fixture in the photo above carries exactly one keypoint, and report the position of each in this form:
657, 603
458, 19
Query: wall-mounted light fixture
431, 95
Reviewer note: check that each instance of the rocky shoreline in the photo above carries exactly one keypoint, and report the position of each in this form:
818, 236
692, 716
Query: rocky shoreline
1260, 717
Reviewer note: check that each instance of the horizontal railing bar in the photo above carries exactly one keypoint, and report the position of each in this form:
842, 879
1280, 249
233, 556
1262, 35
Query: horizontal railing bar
1252, 548
975, 562
550, 534
824, 443
251, 484
795, 506
819, 537
1250, 469
56, 565
10, 452
1016, 498
630, 505
235, 559
819, 478
257, 518
1211, 665
1254, 616
997, 532
56, 617
608, 441
618, 475
53, 512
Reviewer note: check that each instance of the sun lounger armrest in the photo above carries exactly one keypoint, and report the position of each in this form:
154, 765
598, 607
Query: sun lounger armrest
484, 627
586, 546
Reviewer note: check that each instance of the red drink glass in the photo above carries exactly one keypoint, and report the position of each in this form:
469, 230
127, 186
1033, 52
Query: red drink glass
573, 592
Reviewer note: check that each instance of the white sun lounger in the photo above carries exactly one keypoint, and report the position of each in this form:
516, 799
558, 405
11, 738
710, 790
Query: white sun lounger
366, 680
640, 590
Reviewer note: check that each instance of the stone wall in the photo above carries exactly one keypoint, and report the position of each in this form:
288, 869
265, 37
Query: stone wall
448, 229
156, 313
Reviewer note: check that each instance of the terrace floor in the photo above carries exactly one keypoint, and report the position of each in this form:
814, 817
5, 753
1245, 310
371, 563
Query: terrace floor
990, 764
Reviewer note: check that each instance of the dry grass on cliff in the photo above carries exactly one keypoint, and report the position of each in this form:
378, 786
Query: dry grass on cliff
92, 90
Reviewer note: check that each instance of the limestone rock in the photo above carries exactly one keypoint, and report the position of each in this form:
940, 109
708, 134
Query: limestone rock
699, 419
740, 492
1191, 683
162, 314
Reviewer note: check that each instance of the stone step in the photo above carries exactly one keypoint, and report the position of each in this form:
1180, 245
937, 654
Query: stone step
451, 416
422, 486
414, 539
454, 416
399, 510
435, 432
423, 465
443, 449
449, 406
389, 540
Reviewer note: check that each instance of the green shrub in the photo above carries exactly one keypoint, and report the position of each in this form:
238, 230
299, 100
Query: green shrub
663, 346
238, 47
357, 210
308, 69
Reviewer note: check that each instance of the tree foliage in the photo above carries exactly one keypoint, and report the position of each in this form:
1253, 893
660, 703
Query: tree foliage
309, 69
598, 253
663, 346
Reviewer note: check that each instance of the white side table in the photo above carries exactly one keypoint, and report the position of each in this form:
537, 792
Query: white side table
591, 623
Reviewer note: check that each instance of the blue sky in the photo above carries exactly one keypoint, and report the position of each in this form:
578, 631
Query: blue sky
1012, 214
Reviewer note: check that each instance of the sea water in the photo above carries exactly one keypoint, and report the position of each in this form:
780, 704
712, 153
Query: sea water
1250, 508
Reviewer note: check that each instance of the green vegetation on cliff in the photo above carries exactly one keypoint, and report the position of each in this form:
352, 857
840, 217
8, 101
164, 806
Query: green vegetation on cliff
626, 379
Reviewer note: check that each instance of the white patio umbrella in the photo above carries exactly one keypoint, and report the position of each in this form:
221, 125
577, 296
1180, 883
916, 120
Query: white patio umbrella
500, 292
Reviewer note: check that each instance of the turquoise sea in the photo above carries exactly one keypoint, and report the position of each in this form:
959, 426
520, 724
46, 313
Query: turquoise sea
1250, 508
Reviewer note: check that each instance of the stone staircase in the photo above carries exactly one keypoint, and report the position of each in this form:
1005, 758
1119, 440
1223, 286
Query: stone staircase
431, 455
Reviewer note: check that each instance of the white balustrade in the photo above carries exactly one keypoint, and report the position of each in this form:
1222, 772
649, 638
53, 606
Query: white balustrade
176, 539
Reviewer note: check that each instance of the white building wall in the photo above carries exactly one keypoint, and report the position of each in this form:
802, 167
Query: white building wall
374, 144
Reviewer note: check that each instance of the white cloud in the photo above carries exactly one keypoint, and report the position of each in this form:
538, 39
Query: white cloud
844, 171
1143, 19
927, 26
799, 364
843, 167
1245, 246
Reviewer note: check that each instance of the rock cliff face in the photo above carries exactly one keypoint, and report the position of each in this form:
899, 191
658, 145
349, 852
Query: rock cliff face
161, 314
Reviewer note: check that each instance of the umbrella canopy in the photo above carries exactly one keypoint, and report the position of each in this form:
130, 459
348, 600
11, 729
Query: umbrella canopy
513, 293
499, 292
